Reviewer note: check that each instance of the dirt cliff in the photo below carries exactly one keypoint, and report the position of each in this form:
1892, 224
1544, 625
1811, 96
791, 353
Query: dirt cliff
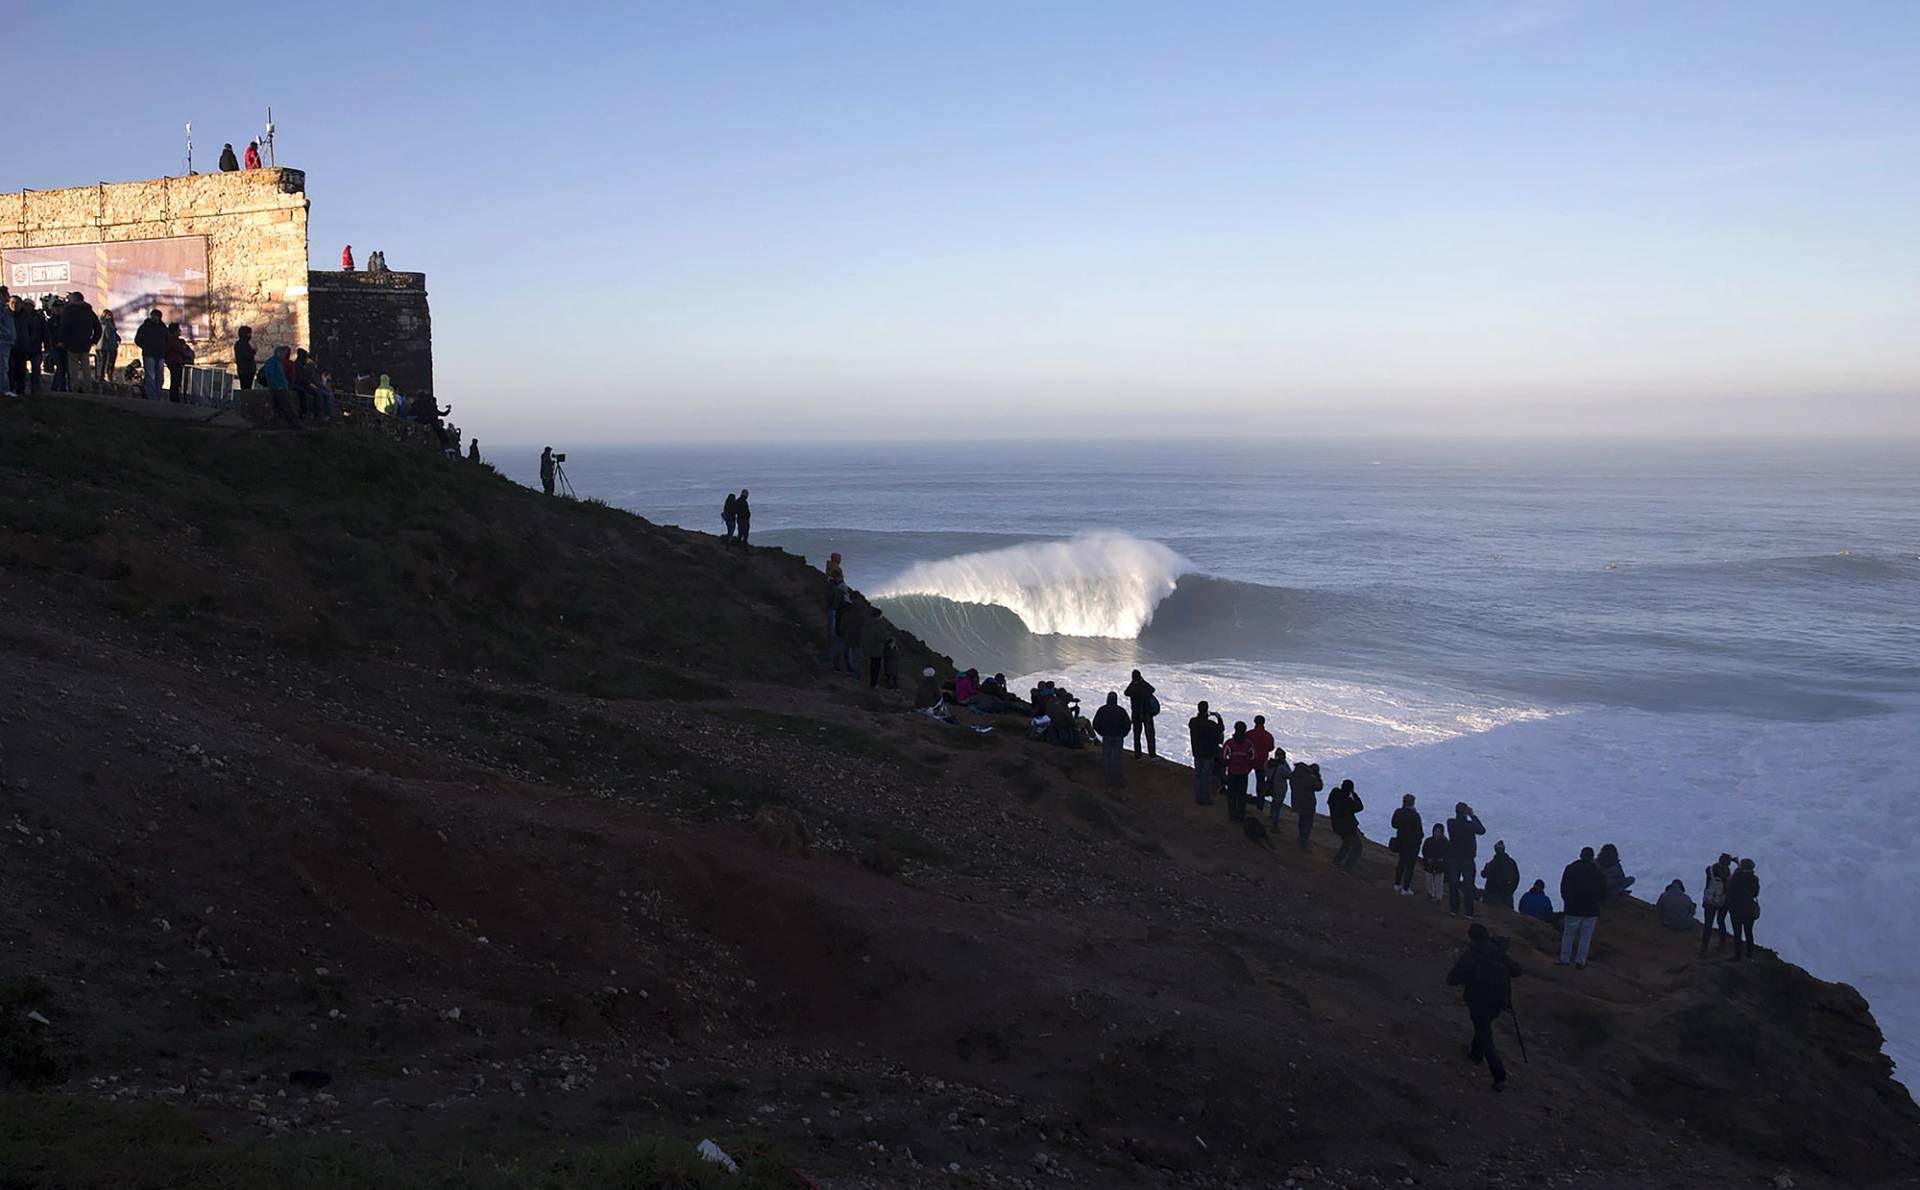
370, 820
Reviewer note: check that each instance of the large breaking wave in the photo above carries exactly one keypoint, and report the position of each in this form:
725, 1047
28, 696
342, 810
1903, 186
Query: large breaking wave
1101, 584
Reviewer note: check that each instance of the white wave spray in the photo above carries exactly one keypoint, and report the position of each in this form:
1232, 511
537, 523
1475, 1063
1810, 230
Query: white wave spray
1095, 584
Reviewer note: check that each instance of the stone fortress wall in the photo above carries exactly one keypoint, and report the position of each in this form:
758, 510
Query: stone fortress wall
255, 222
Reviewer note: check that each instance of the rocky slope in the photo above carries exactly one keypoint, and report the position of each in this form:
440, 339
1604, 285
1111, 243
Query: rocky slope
537, 834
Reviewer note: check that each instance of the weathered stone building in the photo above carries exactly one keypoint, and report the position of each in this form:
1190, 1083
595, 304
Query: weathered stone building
217, 251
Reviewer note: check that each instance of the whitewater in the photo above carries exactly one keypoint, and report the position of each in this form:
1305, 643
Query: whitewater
1681, 650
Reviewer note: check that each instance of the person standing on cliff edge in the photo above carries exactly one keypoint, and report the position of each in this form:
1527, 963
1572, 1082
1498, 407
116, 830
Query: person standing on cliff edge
743, 518
1145, 707
1486, 971
546, 469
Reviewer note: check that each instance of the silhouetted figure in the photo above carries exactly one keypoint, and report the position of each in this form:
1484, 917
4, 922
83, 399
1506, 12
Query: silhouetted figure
1582, 887
1143, 708
1676, 907
1407, 832
1263, 745
730, 517
228, 162
244, 358
346, 259
473, 450
1463, 847
1112, 724
1713, 901
151, 339
1486, 973
546, 469
743, 520
1206, 731
1343, 815
1743, 908
1502, 876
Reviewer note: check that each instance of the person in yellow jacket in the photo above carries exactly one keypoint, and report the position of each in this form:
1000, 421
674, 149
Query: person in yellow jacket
384, 398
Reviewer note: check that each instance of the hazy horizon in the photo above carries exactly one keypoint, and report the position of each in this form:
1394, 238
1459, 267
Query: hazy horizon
1512, 218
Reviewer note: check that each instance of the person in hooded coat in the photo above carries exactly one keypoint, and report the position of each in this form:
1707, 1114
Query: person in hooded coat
1407, 832
1743, 908
228, 162
253, 154
1238, 755
1112, 724
1144, 708
1536, 903
729, 516
1485, 972
1306, 785
1502, 876
1433, 859
1676, 907
1343, 815
1278, 774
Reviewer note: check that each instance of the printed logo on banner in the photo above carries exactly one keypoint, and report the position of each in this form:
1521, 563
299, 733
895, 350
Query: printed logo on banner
34, 273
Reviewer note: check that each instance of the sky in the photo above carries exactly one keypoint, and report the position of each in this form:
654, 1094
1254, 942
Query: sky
852, 221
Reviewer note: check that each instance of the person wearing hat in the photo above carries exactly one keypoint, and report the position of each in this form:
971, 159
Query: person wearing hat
1485, 972
927, 693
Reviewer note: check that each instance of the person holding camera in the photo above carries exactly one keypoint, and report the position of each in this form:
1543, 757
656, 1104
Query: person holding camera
1485, 972
1463, 848
1713, 901
546, 469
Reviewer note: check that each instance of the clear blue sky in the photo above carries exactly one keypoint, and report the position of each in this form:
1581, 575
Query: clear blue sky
814, 220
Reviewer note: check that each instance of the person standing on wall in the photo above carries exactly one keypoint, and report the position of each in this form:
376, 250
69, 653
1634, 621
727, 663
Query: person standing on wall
346, 259
253, 154
228, 162
151, 339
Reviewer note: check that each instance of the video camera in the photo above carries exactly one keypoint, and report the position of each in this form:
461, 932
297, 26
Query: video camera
559, 457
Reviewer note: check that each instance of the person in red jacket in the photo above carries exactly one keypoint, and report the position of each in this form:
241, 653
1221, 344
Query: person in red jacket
252, 159
179, 356
1262, 748
346, 258
1238, 754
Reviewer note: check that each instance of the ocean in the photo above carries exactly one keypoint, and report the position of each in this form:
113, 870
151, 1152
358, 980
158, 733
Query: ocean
1678, 649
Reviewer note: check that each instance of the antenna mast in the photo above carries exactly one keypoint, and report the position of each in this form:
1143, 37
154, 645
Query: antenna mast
189, 146
270, 160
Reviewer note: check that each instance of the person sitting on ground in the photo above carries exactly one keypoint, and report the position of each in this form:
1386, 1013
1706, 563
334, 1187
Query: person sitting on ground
1112, 724
992, 699
1486, 972
1502, 876
1676, 907
1407, 831
966, 686
1145, 708
1743, 908
1582, 887
1618, 882
1433, 857
1536, 903
1713, 901
1343, 815
927, 693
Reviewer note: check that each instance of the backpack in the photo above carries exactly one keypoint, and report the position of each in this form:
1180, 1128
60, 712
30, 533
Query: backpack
1715, 894
1488, 983
1151, 706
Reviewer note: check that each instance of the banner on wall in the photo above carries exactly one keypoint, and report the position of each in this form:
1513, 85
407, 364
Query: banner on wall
125, 279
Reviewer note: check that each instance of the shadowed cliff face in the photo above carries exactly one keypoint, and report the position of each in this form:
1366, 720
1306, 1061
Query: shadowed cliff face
534, 826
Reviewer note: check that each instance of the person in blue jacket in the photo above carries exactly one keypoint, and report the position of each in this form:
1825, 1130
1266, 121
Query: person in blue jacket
1536, 903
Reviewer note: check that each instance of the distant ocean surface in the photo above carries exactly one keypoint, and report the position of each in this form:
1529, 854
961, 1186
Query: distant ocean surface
1681, 650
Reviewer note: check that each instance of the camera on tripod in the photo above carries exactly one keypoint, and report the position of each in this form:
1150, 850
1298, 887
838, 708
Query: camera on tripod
559, 458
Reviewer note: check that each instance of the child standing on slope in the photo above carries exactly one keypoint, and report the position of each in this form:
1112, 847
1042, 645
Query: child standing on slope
1433, 856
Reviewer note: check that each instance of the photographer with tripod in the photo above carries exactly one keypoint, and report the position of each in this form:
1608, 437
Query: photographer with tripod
1487, 972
